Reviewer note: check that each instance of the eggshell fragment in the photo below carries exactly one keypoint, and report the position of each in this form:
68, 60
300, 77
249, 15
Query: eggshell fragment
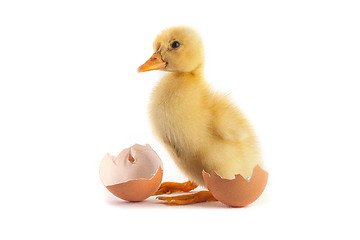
137, 190
237, 192
134, 175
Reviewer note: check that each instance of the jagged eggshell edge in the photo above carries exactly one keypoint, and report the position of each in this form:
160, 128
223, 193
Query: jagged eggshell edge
237, 192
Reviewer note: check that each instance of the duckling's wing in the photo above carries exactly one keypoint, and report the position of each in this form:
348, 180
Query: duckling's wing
227, 120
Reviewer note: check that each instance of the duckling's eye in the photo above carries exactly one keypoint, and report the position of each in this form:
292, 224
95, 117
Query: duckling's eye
175, 44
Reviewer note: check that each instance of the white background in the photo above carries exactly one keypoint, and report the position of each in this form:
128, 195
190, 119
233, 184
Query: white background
69, 93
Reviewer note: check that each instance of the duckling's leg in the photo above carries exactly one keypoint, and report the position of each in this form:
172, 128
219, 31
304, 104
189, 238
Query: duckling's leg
202, 196
171, 187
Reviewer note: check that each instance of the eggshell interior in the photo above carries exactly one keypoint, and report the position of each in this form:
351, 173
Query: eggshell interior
136, 162
237, 192
134, 175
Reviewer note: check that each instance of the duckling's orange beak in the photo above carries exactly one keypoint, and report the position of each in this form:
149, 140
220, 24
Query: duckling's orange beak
154, 63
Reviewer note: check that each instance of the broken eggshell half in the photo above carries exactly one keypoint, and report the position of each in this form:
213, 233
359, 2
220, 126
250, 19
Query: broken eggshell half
134, 175
237, 192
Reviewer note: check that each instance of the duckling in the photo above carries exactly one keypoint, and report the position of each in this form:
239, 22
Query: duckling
200, 128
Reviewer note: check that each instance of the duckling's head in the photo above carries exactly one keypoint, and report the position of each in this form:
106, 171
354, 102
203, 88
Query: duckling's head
177, 49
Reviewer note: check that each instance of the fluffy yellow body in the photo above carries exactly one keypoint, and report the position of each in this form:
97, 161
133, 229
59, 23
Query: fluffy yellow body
200, 128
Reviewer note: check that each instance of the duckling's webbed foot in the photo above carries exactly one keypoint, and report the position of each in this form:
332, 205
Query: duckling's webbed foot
171, 187
202, 196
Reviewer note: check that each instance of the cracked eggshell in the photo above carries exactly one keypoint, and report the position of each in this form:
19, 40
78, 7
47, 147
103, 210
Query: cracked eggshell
134, 175
237, 192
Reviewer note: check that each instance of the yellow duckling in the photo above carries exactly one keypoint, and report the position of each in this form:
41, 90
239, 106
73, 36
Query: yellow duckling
201, 129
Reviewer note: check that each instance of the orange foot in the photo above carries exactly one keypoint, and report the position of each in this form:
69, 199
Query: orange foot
171, 187
202, 196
